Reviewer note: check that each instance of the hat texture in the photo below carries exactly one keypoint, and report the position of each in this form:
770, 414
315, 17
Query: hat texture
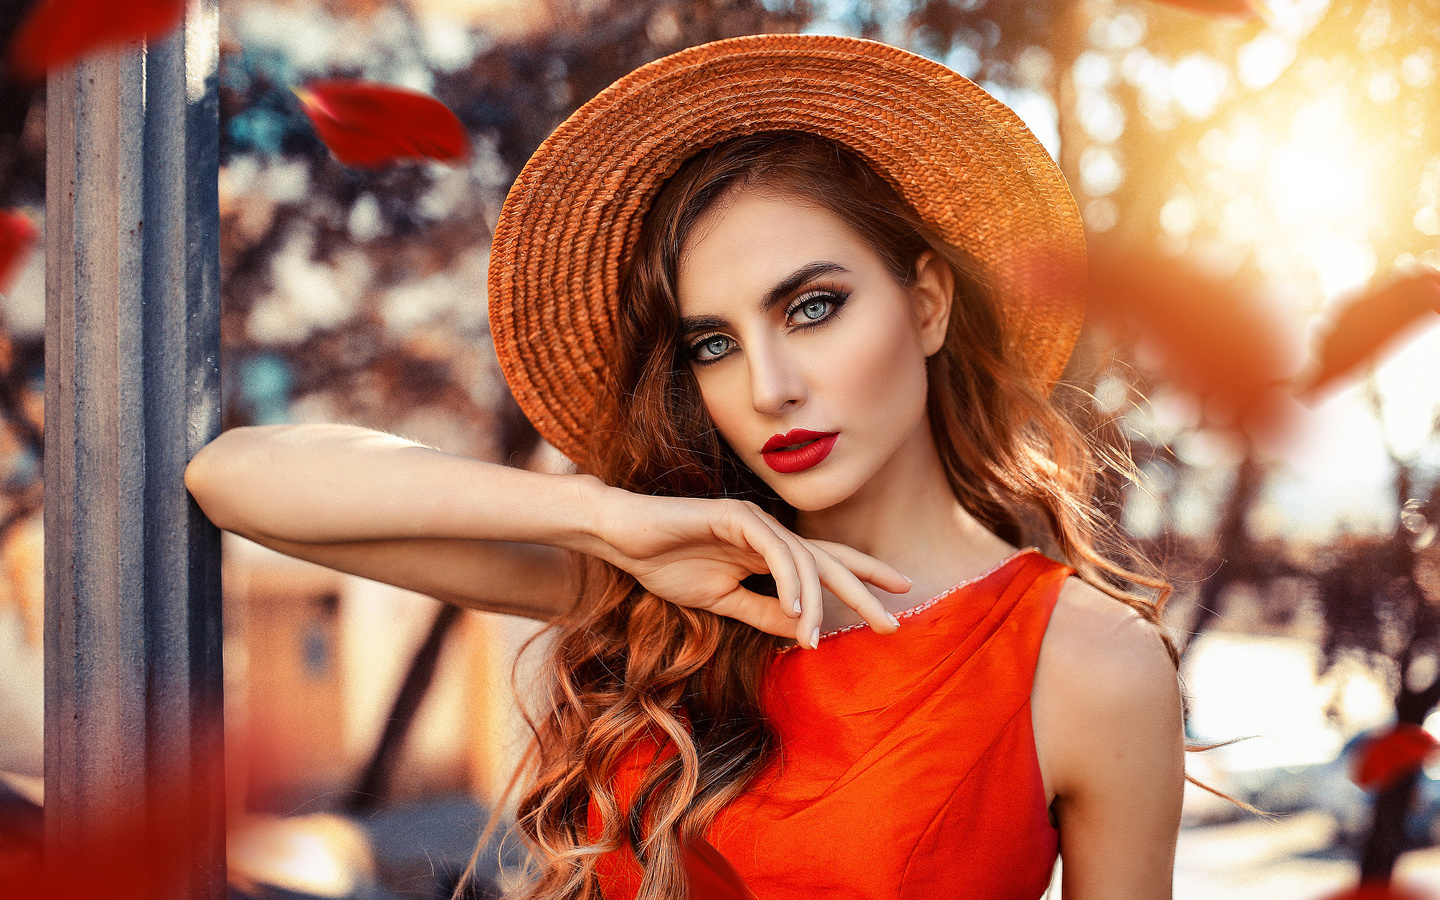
966, 163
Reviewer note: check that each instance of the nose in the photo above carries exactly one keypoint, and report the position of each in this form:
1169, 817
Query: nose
776, 383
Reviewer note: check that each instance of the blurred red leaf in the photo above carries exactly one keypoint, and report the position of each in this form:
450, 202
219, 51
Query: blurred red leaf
1375, 890
1391, 755
58, 32
17, 236
711, 875
1367, 326
369, 125
1211, 339
143, 852
1240, 8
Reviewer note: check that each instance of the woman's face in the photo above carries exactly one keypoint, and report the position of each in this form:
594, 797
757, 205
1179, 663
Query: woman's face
809, 354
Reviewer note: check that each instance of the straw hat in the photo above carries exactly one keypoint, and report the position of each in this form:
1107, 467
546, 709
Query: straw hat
962, 159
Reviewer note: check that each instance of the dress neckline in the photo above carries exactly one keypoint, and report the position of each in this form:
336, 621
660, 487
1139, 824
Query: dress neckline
921, 607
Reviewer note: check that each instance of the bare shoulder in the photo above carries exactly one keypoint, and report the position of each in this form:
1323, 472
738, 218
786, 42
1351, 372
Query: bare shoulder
1111, 746
1104, 679
1102, 643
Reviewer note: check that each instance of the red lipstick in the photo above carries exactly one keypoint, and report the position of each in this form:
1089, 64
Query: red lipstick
797, 450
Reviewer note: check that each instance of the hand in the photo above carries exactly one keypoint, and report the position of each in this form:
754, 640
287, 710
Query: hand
696, 553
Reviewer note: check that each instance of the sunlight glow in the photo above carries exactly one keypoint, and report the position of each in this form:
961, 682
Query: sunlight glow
1418, 69
1240, 149
1102, 118
1332, 475
1317, 180
1101, 214
1100, 173
1199, 84
1295, 17
1177, 216
1384, 86
1265, 688
1262, 60
1410, 392
1427, 220
1341, 264
1121, 31
304, 854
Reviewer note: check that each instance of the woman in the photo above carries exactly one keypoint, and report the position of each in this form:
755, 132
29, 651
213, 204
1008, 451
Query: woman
794, 305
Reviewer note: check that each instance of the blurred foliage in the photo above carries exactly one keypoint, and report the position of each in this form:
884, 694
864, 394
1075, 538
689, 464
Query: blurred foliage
1247, 171
1236, 177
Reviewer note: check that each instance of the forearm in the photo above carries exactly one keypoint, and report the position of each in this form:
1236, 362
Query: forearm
327, 484
495, 538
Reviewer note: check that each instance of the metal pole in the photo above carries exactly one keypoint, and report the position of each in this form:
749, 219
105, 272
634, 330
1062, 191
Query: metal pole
133, 725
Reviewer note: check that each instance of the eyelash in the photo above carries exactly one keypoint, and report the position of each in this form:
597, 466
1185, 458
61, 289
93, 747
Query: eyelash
836, 299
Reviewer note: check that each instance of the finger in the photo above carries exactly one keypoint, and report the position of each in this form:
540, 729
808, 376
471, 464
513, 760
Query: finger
809, 597
762, 535
759, 611
867, 568
811, 605
849, 589
807, 630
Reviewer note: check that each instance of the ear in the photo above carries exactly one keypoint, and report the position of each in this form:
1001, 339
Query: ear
932, 292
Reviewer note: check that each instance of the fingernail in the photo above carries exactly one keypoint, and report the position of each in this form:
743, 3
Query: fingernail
797, 606
893, 621
815, 638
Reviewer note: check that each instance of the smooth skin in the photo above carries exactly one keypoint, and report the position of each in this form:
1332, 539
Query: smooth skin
842, 349
500, 539
845, 352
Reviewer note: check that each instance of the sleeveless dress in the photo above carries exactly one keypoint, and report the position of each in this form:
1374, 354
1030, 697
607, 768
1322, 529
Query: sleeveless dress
907, 765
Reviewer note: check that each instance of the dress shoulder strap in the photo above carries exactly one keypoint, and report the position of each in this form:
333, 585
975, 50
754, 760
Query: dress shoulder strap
1014, 625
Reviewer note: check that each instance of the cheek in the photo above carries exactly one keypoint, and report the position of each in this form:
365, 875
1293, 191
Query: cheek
884, 368
724, 401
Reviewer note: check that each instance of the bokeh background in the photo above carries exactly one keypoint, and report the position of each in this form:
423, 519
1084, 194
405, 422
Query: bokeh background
1261, 191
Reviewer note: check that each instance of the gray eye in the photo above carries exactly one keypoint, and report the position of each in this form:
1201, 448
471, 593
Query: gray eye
814, 309
712, 347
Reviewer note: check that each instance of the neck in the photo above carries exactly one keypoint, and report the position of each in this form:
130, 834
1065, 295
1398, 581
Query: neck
906, 516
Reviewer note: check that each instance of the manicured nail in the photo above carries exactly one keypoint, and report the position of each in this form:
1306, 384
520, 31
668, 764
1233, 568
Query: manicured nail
893, 621
815, 638
797, 606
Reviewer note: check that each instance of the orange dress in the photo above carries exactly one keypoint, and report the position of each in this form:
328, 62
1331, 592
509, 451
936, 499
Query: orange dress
907, 766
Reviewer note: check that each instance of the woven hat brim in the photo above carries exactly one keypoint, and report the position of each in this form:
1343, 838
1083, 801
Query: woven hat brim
963, 160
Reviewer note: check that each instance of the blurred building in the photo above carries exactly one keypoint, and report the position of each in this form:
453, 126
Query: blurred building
314, 661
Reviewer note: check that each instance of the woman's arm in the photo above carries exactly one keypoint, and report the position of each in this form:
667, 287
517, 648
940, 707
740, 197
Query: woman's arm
1114, 748
389, 509
496, 538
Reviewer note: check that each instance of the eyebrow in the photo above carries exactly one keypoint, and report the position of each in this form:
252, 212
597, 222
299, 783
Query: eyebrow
773, 297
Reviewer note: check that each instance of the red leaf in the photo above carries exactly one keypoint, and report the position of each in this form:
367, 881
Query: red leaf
1376, 890
1211, 339
1362, 330
711, 875
145, 851
59, 32
17, 235
370, 125
1387, 757
1239, 8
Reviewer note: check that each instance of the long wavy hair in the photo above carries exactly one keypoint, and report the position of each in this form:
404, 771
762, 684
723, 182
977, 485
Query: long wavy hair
627, 666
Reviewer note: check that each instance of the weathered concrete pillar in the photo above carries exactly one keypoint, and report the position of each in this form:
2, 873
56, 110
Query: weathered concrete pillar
133, 724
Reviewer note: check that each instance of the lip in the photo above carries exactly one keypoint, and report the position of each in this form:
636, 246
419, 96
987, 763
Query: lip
817, 446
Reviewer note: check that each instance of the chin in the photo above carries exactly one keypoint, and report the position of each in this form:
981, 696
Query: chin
824, 494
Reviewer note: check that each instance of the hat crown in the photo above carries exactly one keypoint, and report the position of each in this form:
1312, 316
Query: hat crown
965, 162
